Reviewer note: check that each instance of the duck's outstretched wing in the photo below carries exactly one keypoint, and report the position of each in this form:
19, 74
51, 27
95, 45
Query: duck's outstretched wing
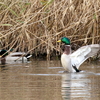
83, 53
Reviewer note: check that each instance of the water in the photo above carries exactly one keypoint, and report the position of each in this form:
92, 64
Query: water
46, 80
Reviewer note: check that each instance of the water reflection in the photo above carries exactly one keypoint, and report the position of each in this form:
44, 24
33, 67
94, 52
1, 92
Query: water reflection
79, 86
3, 67
74, 85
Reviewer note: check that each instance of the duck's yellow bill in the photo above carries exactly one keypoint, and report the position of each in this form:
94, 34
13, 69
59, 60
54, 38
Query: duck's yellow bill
59, 41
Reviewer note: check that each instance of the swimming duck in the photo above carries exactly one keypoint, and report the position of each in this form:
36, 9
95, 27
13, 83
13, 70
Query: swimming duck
72, 61
13, 56
18, 56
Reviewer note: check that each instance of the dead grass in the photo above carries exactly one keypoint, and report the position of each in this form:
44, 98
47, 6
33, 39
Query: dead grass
35, 25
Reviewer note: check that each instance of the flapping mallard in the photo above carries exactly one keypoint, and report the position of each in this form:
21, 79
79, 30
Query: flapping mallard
72, 61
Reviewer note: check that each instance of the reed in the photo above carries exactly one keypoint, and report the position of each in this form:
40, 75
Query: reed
35, 25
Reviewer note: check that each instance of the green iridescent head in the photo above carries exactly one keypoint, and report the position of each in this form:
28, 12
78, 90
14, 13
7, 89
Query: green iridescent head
3, 53
65, 40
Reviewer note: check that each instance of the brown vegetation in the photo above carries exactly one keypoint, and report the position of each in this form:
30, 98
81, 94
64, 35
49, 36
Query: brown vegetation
36, 25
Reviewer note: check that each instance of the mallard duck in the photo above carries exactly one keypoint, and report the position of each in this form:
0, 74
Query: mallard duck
72, 61
13, 56
18, 56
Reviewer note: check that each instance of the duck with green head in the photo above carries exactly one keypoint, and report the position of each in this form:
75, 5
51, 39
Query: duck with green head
72, 61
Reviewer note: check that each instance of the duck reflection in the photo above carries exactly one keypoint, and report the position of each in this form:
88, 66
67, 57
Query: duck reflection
74, 86
2, 67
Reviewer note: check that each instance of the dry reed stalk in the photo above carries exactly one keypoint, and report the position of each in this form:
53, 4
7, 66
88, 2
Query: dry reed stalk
35, 25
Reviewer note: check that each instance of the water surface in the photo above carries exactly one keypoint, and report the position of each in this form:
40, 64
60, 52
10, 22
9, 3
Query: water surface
46, 80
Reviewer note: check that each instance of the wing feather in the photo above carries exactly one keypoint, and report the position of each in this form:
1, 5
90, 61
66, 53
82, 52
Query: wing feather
83, 53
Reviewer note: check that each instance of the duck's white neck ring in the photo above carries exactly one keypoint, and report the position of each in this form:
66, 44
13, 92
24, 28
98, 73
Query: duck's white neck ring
67, 45
67, 49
